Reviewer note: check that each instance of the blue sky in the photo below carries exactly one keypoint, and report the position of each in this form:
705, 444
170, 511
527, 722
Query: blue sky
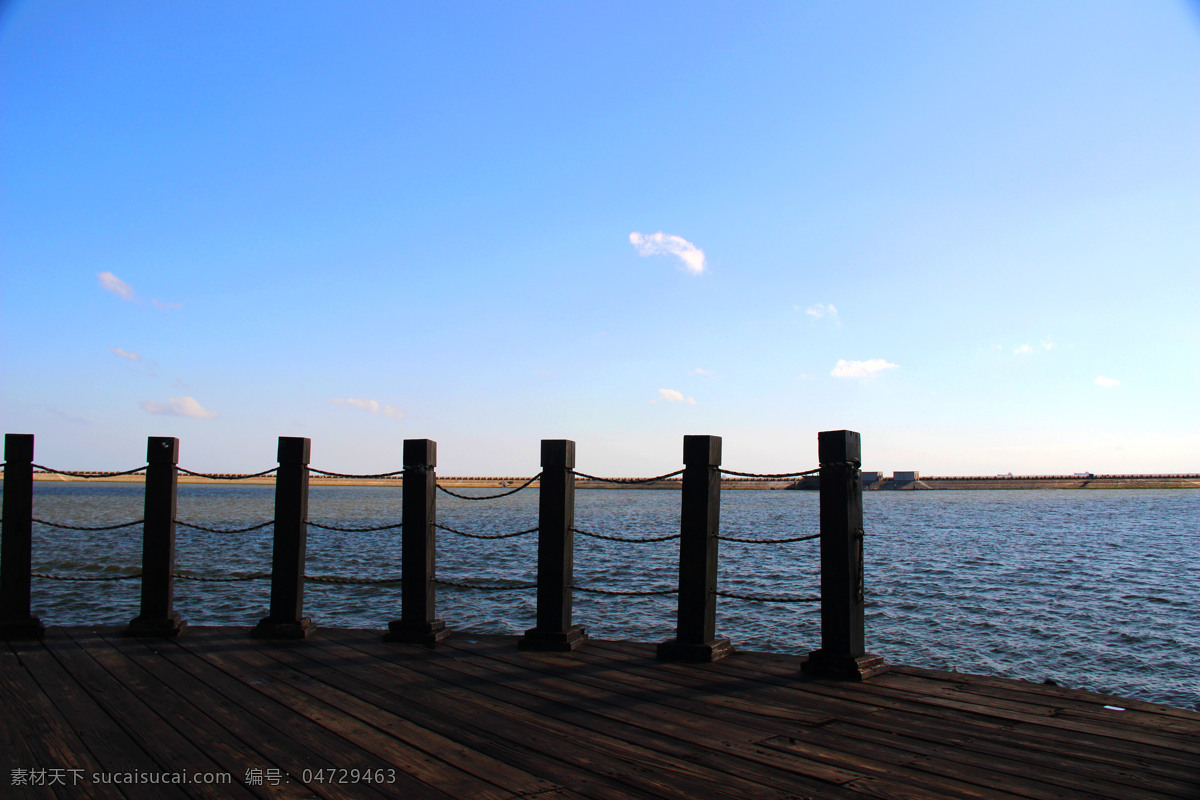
970, 231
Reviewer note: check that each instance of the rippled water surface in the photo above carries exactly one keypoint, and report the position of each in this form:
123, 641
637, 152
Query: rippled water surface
1092, 589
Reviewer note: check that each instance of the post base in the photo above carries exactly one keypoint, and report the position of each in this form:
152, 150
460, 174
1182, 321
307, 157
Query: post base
269, 629
166, 627
553, 641
29, 628
694, 652
843, 667
416, 633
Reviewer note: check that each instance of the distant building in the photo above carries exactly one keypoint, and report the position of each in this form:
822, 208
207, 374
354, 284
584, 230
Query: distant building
905, 477
871, 477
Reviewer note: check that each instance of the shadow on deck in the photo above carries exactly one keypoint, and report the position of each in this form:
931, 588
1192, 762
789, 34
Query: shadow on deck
477, 718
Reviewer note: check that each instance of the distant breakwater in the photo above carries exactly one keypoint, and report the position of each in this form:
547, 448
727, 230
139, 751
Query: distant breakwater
811, 482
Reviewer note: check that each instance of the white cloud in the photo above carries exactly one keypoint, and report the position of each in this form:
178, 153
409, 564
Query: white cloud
373, 406
1025, 349
699, 371
672, 396
823, 311
860, 369
179, 407
154, 301
117, 286
125, 354
664, 244
1107, 383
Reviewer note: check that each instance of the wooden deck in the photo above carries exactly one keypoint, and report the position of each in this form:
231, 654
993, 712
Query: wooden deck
476, 718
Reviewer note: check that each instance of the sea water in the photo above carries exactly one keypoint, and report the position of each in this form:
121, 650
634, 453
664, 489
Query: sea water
1095, 589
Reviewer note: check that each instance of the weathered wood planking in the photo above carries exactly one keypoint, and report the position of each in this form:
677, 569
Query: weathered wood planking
475, 717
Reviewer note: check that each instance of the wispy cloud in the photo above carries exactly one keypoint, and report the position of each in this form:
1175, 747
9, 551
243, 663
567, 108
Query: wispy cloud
823, 311
179, 407
672, 396
117, 286
154, 301
372, 406
1028, 349
125, 354
660, 243
1107, 383
860, 369
699, 371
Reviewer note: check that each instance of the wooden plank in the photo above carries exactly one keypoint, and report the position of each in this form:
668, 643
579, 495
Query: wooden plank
160, 682
78, 731
849, 767
1087, 755
509, 709
381, 733
280, 737
414, 696
36, 736
312, 746
368, 704
168, 751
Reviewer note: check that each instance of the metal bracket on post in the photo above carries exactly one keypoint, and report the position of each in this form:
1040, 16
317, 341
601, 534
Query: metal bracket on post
700, 521
556, 552
418, 591
287, 620
16, 541
843, 653
159, 617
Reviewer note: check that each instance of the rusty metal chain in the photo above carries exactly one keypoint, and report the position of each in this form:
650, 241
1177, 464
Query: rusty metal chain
486, 587
86, 475
86, 527
226, 476
524, 485
224, 530
84, 577
624, 539
625, 593
484, 535
771, 475
327, 473
770, 541
585, 476
353, 530
768, 598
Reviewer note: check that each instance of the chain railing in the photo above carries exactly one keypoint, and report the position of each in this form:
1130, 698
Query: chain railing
699, 535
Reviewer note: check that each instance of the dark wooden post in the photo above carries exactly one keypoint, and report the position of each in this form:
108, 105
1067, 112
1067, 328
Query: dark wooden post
418, 591
16, 541
843, 651
556, 552
700, 521
158, 617
286, 619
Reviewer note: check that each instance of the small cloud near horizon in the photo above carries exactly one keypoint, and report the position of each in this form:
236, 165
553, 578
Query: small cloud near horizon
672, 396
179, 407
861, 369
1107, 383
371, 406
692, 257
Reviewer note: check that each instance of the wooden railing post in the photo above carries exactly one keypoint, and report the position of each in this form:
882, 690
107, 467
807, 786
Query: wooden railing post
418, 591
843, 653
16, 541
286, 619
556, 552
158, 617
700, 521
